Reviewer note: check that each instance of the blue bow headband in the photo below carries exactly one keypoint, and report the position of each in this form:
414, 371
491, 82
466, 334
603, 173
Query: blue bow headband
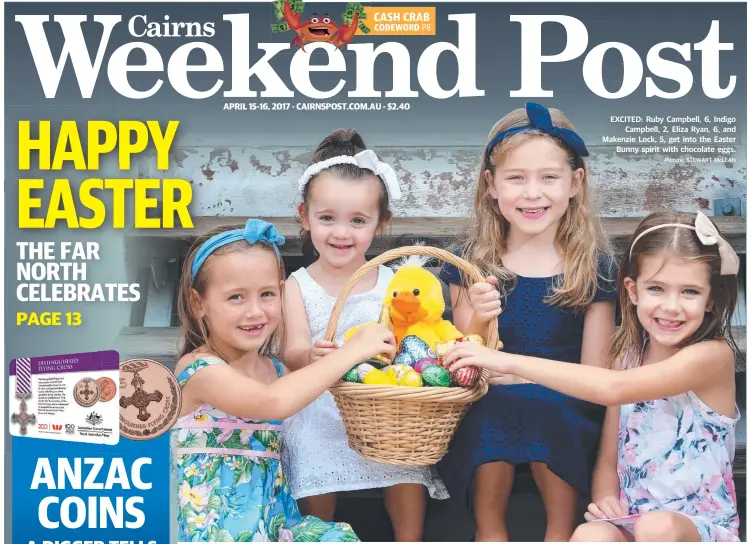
540, 119
255, 230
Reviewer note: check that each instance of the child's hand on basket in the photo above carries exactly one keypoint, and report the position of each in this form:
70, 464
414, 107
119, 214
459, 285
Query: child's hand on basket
370, 340
472, 354
484, 300
320, 349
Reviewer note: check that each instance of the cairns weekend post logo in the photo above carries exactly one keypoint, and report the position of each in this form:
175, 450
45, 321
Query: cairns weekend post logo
91, 51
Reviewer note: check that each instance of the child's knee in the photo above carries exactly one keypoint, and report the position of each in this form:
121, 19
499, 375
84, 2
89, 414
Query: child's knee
595, 532
660, 527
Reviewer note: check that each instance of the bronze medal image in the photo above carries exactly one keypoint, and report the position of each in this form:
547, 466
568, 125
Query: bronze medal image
150, 399
86, 392
107, 389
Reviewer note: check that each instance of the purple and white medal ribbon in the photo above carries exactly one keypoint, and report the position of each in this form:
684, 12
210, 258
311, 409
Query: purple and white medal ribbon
23, 391
23, 378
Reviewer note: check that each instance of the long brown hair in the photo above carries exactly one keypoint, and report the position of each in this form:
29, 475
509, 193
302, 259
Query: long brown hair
195, 331
580, 235
682, 243
340, 142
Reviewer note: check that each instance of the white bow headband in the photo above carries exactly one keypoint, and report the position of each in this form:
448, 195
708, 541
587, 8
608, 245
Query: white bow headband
366, 159
708, 235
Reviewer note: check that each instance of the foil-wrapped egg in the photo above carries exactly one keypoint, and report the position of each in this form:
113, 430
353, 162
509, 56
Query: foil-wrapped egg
412, 379
412, 349
377, 377
444, 347
423, 363
363, 370
475, 338
466, 376
397, 372
436, 376
352, 375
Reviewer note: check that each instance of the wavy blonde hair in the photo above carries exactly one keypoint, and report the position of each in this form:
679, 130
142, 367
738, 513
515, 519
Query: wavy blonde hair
580, 236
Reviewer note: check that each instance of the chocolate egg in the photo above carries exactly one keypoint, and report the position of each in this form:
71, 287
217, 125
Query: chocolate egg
466, 376
412, 349
411, 379
363, 370
397, 371
352, 375
475, 339
403, 358
377, 377
423, 363
436, 376
444, 347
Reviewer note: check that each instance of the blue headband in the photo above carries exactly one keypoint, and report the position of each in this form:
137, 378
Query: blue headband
255, 230
540, 119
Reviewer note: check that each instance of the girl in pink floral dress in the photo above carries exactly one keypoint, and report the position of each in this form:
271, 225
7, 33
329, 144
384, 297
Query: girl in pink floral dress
664, 470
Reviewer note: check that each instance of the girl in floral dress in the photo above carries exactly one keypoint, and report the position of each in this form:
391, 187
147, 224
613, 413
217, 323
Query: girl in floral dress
664, 470
227, 441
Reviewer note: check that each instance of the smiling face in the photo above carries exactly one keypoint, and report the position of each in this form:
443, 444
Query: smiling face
343, 216
533, 185
242, 300
672, 295
318, 29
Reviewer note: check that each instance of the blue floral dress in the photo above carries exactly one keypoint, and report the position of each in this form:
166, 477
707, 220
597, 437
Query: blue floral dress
231, 486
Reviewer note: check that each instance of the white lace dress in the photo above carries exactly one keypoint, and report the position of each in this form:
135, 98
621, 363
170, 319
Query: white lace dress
316, 456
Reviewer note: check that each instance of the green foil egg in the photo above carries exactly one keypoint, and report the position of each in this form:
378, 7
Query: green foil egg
352, 375
436, 376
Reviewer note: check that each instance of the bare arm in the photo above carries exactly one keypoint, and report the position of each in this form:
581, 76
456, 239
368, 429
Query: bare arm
461, 310
463, 314
299, 339
599, 328
605, 477
697, 367
225, 388
706, 368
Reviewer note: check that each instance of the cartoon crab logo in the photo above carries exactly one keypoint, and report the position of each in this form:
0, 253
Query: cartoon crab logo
318, 29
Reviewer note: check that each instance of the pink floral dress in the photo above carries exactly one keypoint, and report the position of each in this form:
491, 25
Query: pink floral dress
676, 454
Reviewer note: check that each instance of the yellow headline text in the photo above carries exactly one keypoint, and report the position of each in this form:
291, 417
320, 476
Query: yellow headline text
82, 205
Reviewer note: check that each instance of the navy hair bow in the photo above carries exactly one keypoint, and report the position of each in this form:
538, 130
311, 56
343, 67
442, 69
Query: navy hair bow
540, 119
255, 230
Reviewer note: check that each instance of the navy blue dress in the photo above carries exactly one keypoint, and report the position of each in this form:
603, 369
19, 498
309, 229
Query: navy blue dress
528, 422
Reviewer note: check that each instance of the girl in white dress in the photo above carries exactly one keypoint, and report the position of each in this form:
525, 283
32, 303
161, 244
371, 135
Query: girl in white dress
345, 202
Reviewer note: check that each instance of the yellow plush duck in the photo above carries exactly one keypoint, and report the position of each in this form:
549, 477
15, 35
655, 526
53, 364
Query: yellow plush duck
415, 304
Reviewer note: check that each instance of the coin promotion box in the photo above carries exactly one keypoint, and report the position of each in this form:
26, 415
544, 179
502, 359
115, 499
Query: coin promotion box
72, 397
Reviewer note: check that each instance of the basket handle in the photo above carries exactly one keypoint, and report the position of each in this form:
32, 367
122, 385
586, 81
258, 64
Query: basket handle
467, 268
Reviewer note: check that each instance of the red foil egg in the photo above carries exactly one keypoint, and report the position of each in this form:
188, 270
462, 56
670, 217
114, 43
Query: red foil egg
467, 376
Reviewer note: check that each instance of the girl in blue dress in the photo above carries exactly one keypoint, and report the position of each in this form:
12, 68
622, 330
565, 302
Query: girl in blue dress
550, 269
235, 395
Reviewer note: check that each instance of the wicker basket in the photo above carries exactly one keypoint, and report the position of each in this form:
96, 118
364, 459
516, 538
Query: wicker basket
400, 425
